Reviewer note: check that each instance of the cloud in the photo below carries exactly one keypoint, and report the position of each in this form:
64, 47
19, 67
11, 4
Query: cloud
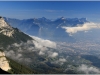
88, 70
43, 46
84, 27
41, 53
13, 54
62, 60
17, 51
43, 43
54, 54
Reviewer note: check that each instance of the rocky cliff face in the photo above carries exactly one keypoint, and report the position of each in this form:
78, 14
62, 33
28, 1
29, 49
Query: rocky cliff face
5, 28
4, 63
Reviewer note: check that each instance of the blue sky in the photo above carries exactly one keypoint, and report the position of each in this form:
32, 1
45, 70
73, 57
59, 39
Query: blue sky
51, 9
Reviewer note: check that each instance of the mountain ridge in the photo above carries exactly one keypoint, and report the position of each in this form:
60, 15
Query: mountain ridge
41, 55
10, 35
41, 27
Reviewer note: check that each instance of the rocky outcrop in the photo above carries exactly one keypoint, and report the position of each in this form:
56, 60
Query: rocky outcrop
4, 63
5, 28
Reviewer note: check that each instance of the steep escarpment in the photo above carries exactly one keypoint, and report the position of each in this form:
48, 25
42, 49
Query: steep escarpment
10, 35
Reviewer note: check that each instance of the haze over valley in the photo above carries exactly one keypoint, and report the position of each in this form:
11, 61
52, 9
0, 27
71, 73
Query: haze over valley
37, 44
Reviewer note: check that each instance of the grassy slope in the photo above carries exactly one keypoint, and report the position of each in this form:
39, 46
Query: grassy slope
19, 68
17, 38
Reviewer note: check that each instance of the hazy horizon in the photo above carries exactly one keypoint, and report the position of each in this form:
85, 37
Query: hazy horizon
51, 9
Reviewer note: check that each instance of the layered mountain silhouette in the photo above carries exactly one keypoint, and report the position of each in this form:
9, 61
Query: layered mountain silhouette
23, 49
46, 28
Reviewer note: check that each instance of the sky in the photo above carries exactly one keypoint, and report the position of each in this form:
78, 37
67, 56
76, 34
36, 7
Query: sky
51, 9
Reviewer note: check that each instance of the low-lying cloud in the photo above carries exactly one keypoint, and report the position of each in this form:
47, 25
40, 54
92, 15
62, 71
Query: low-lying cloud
41, 42
14, 55
88, 69
53, 54
41, 46
84, 27
60, 61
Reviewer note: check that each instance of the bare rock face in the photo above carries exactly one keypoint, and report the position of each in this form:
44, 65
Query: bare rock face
5, 28
4, 63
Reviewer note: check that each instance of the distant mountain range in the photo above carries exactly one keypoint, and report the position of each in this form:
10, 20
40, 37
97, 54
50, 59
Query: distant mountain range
17, 47
41, 56
46, 28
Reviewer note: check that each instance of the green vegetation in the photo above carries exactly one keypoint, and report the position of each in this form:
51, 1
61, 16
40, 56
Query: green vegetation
95, 60
17, 68
1, 50
18, 37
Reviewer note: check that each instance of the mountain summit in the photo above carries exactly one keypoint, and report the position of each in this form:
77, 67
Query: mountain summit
5, 28
10, 35
46, 28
